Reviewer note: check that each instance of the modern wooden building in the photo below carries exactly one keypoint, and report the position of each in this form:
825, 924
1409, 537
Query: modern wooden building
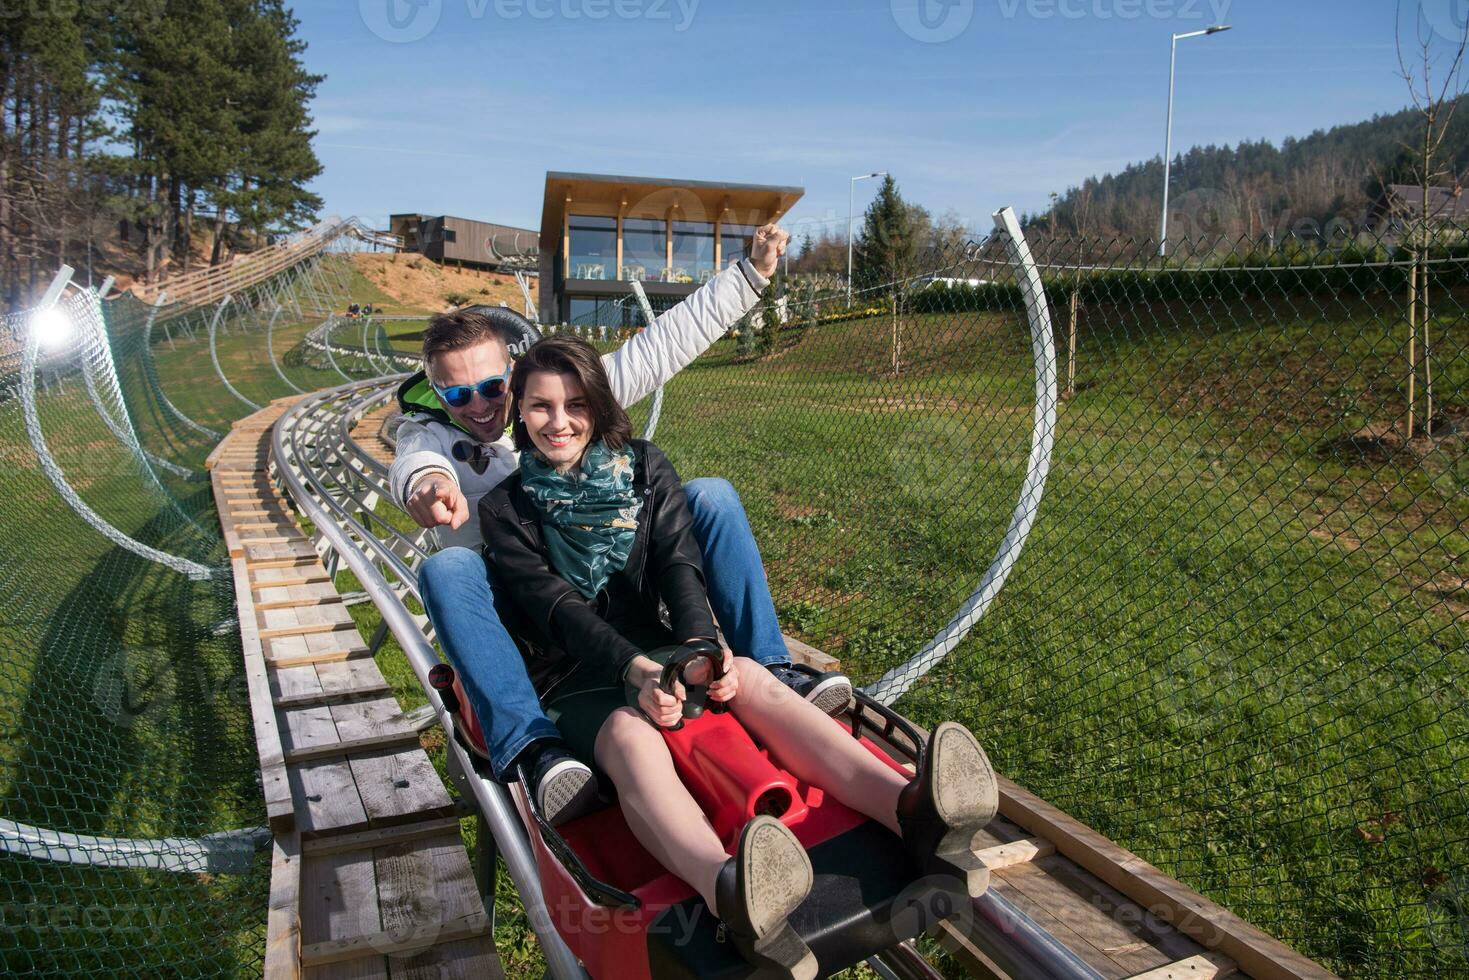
462, 241
600, 231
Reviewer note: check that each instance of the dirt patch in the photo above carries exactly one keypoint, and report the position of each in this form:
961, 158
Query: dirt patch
418, 283
787, 507
1383, 442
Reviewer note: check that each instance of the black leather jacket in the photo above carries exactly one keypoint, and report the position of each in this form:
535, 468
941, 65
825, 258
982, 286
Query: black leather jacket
556, 626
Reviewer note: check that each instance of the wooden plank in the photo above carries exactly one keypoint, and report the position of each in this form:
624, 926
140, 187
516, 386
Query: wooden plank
1257, 954
422, 887
332, 615
299, 579
326, 793
345, 675
303, 629
381, 836
287, 701
280, 813
372, 743
227, 527
1204, 966
802, 653
1012, 853
279, 555
273, 539
298, 562
390, 943
317, 657
392, 786
1113, 947
1103, 897
283, 918
339, 899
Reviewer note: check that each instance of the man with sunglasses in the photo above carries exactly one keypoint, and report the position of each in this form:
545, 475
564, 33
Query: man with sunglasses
453, 448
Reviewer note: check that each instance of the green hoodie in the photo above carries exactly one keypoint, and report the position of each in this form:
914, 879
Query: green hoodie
416, 396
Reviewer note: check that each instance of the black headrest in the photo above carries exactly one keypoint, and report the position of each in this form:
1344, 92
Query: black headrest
517, 331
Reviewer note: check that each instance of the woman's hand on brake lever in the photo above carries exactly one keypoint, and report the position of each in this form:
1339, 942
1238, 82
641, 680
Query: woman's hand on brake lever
663, 709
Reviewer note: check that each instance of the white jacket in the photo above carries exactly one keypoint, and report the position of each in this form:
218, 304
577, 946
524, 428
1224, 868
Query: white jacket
635, 369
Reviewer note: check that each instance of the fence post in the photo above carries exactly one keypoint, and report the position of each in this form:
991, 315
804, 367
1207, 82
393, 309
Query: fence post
1412, 338
1427, 355
1075, 307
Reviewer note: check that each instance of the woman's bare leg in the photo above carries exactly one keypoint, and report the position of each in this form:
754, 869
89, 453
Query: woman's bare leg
813, 748
658, 808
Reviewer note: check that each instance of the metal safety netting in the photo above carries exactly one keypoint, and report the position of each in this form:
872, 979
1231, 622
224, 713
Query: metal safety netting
131, 819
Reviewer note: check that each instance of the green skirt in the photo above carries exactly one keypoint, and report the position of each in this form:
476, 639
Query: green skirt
583, 700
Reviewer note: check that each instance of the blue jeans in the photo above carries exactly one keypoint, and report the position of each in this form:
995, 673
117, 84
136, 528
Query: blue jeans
461, 602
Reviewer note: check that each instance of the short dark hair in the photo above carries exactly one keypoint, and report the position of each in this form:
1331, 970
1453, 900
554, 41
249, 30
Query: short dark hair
568, 354
474, 325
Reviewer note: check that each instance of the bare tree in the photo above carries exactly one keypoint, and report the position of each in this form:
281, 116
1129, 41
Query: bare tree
1433, 73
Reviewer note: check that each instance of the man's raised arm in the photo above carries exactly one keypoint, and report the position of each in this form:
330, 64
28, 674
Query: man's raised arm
686, 331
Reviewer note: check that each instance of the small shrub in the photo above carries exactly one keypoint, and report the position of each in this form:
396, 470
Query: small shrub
455, 298
803, 616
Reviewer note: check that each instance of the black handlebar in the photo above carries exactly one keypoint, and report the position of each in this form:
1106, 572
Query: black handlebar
696, 696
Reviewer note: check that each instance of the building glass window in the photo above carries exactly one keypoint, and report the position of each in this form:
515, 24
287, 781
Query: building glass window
450, 235
593, 247
644, 248
693, 251
604, 311
734, 242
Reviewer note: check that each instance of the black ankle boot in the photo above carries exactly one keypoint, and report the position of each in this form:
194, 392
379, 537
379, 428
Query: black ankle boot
952, 797
769, 876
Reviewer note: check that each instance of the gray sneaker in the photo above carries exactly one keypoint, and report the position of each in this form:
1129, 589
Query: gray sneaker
564, 787
831, 692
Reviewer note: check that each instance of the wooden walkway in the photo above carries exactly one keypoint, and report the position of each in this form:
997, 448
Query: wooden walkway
369, 877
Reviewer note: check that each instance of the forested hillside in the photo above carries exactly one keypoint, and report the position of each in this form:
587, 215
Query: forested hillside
1257, 189
131, 131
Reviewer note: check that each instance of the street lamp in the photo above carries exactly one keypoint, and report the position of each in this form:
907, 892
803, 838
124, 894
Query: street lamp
1168, 139
851, 188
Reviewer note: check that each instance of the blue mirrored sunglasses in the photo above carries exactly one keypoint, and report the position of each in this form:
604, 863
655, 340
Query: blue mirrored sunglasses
457, 396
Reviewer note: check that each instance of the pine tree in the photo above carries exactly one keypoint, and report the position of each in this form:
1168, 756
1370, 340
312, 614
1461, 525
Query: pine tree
276, 159
892, 235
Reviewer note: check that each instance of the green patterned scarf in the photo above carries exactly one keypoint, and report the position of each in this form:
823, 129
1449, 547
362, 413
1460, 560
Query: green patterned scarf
589, 515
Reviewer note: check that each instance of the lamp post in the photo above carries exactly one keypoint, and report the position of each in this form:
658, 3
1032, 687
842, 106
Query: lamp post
1168, 138
851, 189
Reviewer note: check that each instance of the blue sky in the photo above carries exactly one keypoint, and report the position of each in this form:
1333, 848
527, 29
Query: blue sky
1025, 97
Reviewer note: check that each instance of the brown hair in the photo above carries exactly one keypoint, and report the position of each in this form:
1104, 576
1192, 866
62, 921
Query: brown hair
568, 354
458, 330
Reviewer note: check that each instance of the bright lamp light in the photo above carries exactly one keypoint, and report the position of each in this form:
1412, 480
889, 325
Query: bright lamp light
54, 329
